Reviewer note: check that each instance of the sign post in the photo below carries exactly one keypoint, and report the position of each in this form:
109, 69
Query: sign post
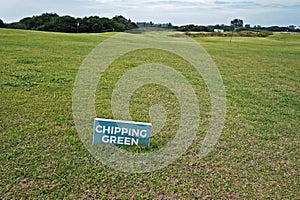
121, 133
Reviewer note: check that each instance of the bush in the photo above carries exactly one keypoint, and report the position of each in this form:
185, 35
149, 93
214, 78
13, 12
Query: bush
264, 34
231, 34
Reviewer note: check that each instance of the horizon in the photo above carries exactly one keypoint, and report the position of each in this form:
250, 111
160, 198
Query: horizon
155, 22
201, 12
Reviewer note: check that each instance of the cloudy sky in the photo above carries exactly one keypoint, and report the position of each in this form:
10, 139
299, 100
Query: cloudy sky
254, 12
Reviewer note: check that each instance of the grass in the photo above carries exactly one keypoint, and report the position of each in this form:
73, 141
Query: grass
152, 94
42, 156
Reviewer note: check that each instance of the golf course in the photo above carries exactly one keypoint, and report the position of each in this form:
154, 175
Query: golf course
257, 155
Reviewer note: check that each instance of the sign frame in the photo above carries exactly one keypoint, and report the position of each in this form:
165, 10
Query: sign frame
121, 132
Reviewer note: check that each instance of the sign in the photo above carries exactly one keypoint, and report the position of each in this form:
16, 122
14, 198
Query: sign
121, 133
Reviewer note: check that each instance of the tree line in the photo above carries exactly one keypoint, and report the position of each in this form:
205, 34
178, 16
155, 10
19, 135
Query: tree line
55, 23
235, 25
200, 28
94, 24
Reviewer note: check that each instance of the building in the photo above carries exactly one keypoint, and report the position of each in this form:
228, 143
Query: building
219, 30
292, 27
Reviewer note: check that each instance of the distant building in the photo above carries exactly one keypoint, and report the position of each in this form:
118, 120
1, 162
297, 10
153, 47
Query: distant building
165, 25
292, 27
143, 24
218, 30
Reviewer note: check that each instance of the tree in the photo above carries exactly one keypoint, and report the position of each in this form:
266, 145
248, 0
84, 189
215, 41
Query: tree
2, 25
27, 23
92, 24
44, 20
56, 23
237, 23
120, 23
66, 24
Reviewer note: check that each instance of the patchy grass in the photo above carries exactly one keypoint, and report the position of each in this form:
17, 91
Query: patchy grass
42, 156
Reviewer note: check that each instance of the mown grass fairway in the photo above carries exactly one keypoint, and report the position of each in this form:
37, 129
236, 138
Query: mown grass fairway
256, 157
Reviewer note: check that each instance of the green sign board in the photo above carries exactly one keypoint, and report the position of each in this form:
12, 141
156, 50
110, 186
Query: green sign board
121, 133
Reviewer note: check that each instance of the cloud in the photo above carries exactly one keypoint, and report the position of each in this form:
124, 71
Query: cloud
198, 11
222, 2
180, 4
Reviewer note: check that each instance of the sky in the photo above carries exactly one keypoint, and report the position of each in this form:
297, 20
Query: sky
178, 12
